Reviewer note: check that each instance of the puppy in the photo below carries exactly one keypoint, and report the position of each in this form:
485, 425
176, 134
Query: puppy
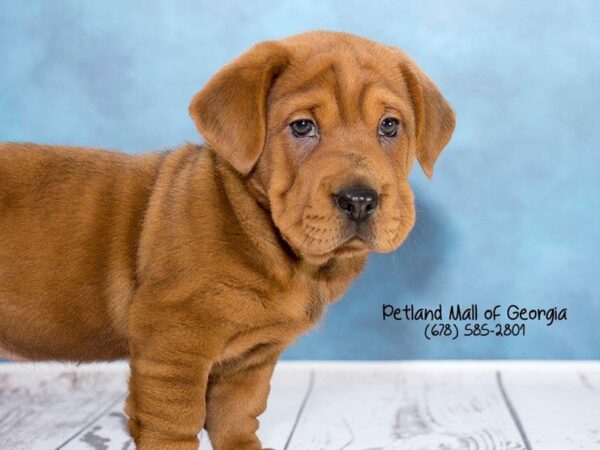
202, 264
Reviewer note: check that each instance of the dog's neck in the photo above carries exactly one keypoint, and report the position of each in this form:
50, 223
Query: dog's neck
248, 202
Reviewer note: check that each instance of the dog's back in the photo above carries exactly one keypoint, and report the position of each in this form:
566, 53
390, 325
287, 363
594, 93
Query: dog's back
70, 220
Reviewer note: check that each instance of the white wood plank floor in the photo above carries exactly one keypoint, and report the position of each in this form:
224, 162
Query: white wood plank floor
333, 405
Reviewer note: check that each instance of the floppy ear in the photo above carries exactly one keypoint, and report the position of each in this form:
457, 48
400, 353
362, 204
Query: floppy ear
434, 117
231, 111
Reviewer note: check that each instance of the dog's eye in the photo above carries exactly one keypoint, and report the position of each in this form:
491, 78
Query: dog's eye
389, 127
303, 128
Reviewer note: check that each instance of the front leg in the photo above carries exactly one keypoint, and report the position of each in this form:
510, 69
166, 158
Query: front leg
235, 399
166, 404
171, 358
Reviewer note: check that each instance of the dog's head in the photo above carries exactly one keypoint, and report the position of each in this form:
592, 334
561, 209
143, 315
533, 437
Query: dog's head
327, 126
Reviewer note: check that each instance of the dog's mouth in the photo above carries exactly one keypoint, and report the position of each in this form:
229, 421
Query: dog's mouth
318, 237
353, 246
349, 242
355, 240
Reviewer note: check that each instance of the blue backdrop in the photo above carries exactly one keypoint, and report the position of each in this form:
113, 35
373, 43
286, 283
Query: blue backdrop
512, 214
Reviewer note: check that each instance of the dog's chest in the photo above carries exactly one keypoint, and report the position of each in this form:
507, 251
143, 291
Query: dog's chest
303, 302
287, 314
285, 310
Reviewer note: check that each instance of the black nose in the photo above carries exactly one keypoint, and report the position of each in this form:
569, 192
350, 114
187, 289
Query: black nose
357, 203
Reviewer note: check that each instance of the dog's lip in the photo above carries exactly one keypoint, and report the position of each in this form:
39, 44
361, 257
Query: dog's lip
355, 240
353, 243
353, 246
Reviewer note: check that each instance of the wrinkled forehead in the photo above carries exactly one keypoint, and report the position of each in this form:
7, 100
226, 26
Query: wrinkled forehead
348, 82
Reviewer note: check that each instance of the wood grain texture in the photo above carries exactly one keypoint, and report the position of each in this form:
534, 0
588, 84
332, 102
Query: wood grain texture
108, 431
289, 387
77, 408
352, 406
44, 407
407, 409
558, 409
